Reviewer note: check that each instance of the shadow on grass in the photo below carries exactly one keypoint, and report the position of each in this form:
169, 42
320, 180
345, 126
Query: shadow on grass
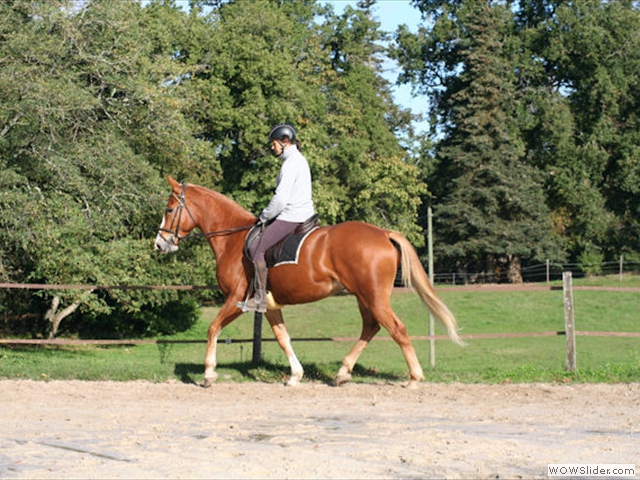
56, 351
278, 373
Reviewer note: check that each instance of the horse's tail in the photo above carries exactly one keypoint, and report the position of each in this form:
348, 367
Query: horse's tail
414, 276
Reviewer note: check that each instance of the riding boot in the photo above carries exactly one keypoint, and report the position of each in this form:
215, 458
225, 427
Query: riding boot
259, 301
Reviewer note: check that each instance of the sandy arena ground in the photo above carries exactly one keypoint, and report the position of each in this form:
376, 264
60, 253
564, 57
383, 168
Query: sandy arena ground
74, 429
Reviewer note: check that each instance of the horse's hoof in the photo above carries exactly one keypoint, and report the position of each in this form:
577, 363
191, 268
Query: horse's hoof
209, 381
293, 382
342, 378
413, 384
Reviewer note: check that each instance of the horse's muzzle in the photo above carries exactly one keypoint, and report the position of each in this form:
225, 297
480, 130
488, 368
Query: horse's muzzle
164, 245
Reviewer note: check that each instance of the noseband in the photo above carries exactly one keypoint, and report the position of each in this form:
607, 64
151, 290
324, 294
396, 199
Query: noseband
175, 233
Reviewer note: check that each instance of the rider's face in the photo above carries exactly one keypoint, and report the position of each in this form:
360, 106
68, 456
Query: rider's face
276, 147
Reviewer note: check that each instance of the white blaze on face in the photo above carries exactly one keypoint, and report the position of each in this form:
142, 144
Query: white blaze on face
162, 245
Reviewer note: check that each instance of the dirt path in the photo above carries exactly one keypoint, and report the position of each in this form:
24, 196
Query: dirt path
171, 430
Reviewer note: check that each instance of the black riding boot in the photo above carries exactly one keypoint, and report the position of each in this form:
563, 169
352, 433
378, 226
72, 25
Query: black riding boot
259, 301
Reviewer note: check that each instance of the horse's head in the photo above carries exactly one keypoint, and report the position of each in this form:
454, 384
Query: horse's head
177, 221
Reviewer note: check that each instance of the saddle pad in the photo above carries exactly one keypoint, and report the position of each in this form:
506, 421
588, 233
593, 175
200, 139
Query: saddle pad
286, 252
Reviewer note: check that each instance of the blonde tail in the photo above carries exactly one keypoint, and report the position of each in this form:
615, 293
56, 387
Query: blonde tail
414, 276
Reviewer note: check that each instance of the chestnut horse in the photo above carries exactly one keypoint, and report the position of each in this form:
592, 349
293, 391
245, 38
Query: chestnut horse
353, 256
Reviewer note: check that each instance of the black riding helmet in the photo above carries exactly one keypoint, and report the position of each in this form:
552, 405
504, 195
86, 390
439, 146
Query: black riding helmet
282, 131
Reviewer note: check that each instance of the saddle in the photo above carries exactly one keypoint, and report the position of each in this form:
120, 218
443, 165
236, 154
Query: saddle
287, 249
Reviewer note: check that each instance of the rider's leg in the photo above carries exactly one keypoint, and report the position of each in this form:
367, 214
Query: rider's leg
273, 233
259, 301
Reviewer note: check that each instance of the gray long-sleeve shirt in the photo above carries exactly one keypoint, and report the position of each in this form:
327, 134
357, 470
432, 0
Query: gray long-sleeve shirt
292, 201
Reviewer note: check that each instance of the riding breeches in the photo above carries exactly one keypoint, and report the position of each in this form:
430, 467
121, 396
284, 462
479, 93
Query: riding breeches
272, 234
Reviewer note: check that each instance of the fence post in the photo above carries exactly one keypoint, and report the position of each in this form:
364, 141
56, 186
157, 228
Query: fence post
432, 340
621, 268
257, 338
569, 321
548, 278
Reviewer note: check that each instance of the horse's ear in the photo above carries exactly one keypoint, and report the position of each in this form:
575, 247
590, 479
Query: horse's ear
175, 185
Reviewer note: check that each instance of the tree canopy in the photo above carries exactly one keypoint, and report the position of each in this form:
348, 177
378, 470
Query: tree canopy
535, 105
100, 100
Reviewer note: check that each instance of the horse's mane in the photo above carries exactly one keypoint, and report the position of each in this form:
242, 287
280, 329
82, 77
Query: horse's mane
226, 205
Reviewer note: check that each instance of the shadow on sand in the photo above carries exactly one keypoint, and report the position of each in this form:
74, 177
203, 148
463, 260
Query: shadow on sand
269, 372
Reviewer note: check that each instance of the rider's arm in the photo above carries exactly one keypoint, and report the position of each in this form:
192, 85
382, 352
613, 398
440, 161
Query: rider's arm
284, 191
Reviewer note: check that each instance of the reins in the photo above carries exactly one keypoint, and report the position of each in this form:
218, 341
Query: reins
228, 231
182, 203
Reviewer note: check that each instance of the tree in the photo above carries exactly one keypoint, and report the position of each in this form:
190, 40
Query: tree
584, 135
488, 199
78, 196
363, 130
573, 67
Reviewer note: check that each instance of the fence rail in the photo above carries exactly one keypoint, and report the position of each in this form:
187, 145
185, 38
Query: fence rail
48, 286
470, 287
542, 272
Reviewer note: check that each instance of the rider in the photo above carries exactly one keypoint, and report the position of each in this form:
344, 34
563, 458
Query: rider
290, 206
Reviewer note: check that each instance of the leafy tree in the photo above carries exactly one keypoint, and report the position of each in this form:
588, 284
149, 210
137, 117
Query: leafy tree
76, 195
585, 133
363, 130
488, 199
573, 72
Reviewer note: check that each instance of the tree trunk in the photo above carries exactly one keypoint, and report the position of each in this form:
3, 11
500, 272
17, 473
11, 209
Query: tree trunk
56, 317
514, 273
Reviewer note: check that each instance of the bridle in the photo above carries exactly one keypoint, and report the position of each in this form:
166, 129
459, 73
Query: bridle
175, 232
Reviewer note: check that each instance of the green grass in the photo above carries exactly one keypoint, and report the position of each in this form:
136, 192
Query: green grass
628, 280
483, 360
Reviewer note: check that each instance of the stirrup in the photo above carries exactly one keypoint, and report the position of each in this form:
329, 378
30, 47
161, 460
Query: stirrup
253, 305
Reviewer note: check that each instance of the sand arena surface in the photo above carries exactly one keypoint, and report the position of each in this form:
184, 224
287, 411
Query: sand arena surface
70, 429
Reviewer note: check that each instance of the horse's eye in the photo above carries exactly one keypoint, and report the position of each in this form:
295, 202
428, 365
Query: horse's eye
168, 210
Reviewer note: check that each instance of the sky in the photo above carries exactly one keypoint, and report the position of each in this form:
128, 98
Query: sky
391, 14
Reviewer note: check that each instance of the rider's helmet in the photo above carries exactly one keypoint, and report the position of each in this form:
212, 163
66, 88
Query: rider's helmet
282, 131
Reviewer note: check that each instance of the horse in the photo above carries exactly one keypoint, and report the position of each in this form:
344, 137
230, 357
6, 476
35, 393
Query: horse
353, 257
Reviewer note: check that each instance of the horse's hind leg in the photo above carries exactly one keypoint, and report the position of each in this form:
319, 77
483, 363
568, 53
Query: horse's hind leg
282, 336
389, 320
369, 328
385, 316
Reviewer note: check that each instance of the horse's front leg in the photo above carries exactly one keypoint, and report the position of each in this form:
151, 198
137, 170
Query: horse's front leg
228, 313
282, 336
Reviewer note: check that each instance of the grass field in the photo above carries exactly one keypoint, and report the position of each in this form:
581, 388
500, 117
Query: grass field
483, 360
